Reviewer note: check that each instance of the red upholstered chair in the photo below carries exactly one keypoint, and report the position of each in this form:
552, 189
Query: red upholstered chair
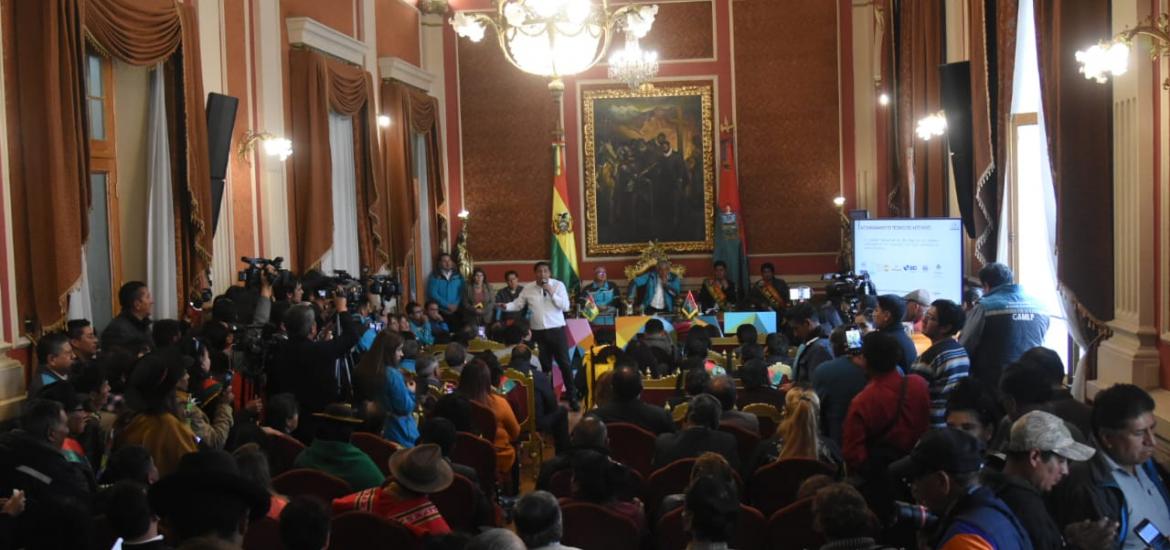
263, 534
363, 530
457, 504
750, 530
774, 486
667, 480
303, 481
282, 452
478, 453
483, 421
745, 441
560, 484
592, 526
790, 528
376, 447
632, 446
103, 535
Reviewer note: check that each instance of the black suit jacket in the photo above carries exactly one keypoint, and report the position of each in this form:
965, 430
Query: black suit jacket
635, 411
307, 368
692, 442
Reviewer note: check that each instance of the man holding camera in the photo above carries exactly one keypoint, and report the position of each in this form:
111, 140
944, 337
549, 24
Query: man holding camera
309, 368
548, 300
943, 472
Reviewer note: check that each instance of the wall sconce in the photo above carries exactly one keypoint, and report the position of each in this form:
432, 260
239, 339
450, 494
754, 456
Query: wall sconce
884, 99
845, 256
274, 146
427, 7
462, 253
384, 121
1111, 58
931, 126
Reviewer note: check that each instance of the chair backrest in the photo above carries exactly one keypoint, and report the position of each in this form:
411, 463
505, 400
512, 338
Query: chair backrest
478, 453
376, 447
282, 452
745, 441
589, 525
448, 375
304, 481
768, 415
790, 527
679, 413
522, 398
658, 391
457, 504
263, 534
751, 530
631, 445
363, 530
103, 536
560, 484
774, 486
483, 420
668, 480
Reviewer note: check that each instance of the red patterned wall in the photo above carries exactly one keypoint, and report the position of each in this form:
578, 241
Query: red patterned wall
682, 30
789, 141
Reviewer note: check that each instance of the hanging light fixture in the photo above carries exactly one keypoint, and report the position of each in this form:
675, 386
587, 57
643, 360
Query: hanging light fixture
931, 126
1104, 59
632, 64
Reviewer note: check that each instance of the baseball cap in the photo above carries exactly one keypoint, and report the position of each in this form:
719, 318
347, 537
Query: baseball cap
946, 450
921, 296
1046, 432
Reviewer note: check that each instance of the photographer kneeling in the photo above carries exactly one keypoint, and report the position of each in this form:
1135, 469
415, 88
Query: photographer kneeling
309, 368
943, 472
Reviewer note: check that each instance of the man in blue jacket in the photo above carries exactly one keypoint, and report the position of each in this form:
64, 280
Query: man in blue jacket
661, 286
445, 287
1006, 323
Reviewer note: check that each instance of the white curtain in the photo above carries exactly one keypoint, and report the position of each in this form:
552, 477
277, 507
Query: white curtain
161, 263
80, 302
344, 252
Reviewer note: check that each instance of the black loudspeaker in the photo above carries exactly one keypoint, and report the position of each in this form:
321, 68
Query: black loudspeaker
955, 84
221, 120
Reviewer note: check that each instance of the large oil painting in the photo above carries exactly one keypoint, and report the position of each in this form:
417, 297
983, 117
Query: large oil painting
649, 169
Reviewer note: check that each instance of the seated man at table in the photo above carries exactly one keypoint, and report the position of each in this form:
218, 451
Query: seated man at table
626, 405
661, 287
718, 293
604, 293
770, 292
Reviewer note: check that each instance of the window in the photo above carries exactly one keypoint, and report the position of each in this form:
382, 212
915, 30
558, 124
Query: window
103, 250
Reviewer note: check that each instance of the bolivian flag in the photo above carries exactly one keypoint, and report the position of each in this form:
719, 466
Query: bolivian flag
563, 257
690, 308
590, 310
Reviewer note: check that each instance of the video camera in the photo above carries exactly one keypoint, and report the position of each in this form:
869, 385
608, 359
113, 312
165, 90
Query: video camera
257, 267
383, 285
254, 347
846, 288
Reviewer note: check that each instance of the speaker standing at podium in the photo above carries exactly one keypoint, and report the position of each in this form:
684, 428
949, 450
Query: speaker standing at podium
548, 301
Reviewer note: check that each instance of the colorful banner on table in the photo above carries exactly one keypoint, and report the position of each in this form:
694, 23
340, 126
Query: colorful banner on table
764, 321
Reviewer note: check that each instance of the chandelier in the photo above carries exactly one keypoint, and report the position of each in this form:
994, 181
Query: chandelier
557, 38
631, 64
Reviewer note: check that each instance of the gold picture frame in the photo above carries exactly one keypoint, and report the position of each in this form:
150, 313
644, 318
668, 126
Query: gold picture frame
640, 185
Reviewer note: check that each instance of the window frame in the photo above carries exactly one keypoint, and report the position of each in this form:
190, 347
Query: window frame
103, 159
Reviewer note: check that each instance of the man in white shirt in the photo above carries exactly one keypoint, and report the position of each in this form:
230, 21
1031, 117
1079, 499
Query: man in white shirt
548, 300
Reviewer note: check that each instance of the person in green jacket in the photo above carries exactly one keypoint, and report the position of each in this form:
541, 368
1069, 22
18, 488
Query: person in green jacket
332, 453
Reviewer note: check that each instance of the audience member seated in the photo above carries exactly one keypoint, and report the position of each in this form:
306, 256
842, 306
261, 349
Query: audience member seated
599, 480
588, 435
693, 380
776, 349
746, 335
165, 333
75, 420
814, 346
1061, 402
308, 367
1121, 484
973, 408
628, 407
723, 388
538, 521
253, 464
332, 453
419, 326
93, 389
495, 539
657, 338
838, 381
943, 472
770, 291
718, 293
83, 340
945, 362
132, 463
889, 416
797, 436
54, 359
550, 418
127, 509
508, 294
441, 432
707, 465
129, 332
282, 414
756, 387
712, 509
698, 344
440, 324
415, 473
1038, 454
1003, 325
455, 356
891, 308
700, 434
32, 459
475, 384
153, 419
304, 524
206, 498
207, 407
842, 517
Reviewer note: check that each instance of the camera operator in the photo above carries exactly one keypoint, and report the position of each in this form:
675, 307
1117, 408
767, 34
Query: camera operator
943, 472
311, 369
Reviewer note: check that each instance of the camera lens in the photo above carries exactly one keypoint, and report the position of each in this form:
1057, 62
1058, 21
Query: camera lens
914, 516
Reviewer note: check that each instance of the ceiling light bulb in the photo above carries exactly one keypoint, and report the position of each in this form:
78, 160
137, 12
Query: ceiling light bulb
384, 121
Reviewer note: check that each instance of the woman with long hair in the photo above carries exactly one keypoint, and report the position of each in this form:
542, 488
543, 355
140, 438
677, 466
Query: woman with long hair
475, 383
798, 435
380, 383
479, 297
